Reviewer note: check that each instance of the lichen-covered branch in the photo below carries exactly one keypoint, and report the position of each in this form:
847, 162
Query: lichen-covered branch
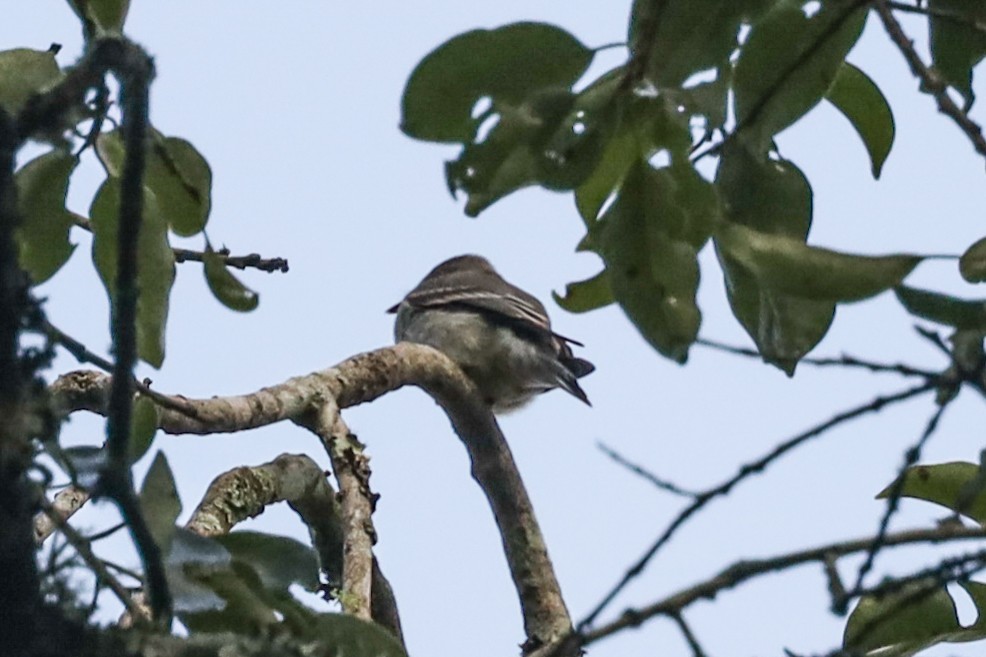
66, 502
361, 379
352, 469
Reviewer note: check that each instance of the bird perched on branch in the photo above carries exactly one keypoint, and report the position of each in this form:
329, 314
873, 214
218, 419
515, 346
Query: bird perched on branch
498, 334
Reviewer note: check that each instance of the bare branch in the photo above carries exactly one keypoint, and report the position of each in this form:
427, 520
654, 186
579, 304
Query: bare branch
937, 12
744, 570
745, 471
640, 471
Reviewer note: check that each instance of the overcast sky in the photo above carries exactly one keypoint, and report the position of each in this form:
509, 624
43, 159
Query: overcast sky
296, 106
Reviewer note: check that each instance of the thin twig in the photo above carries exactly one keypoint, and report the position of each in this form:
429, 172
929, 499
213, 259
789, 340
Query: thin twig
690, 637
936, 12
84, 355
911, 457
744, 472
843, 361
251, 260
931, 80
81, 545
747, 569
642, 472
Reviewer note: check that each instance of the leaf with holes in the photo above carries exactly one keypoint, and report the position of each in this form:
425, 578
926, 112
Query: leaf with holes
904, 622
789, 61
683, 37
445, 86
43, 234
859, 99
156, 265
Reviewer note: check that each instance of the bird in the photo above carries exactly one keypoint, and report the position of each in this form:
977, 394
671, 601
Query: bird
497, 333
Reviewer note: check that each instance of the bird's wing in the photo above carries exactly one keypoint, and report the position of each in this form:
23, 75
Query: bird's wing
506, 301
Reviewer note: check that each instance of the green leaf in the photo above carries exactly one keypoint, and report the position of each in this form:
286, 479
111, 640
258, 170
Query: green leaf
159, 501
245, 608
771, 196
788, 265
278, 560
957, 46
789, 62
444, 87
23, 73
176, 173
107, 16
690, 36
43, 235
957, 486
855, 95
156, 265
903, 623
972, 264
587, 295
226, 287
353, 637
649, 239
944, 309
143, 427
784, 327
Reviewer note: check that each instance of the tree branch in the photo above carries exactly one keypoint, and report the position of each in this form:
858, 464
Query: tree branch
67, 501
744, 472
930, 79
744, 570
361, 379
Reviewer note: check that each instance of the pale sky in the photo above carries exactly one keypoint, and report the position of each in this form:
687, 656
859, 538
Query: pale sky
296, 106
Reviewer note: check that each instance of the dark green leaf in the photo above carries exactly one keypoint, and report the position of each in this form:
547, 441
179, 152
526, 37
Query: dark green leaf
943, 309
902, 623
143, 426
23, 73
957, 486
440, 95
353, 637
176, 173
784, 327
156, 264
855, 95
957, 45
278, 560
107, 16
199, 554
788, 265
159, 501
245, 609
685, 36
772, 196
226, 287
43, 235
789, 62
649, 239
972, 264
587, 295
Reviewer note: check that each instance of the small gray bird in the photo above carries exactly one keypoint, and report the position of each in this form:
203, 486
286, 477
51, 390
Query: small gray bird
498, 334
